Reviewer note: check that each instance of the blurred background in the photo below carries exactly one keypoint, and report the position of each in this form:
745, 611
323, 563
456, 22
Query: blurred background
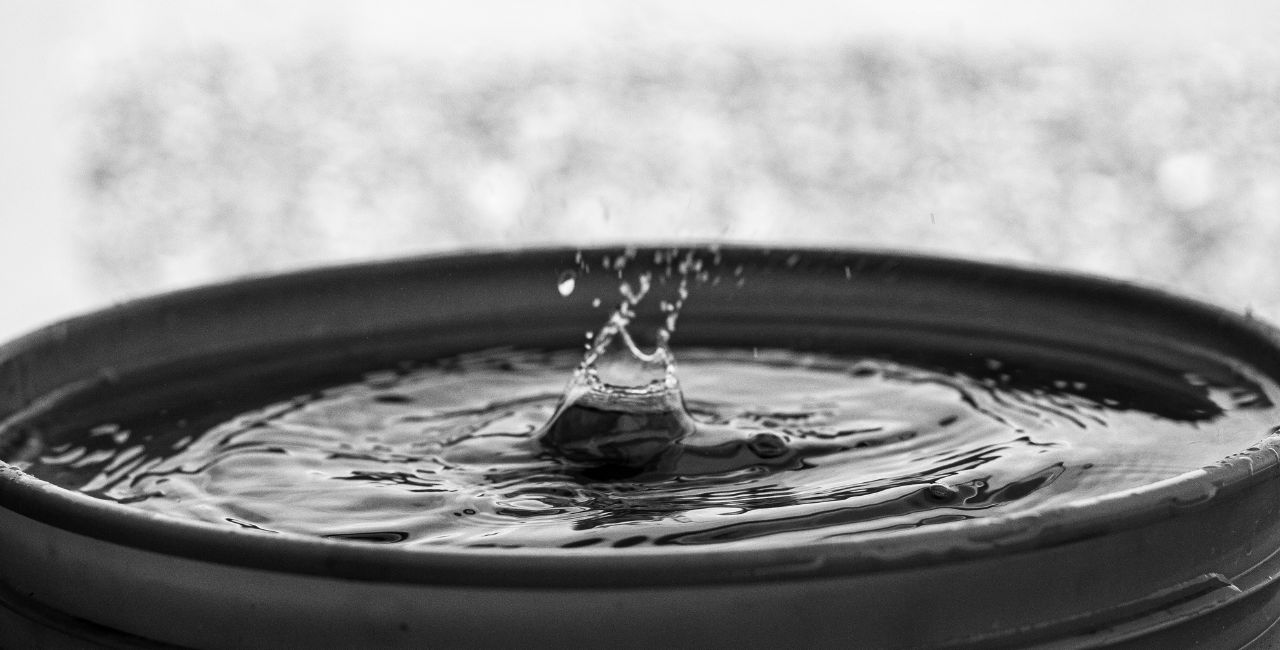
147, 145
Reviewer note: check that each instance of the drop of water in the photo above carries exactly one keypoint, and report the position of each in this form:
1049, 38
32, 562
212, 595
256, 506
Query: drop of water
568, 280
635, 294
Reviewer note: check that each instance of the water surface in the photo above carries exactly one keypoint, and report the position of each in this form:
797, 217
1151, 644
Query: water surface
820, 447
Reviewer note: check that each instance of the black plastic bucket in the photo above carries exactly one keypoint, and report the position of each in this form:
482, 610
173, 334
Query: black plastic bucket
1186, 561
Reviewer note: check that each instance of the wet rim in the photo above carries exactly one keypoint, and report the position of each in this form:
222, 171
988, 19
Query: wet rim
80, 514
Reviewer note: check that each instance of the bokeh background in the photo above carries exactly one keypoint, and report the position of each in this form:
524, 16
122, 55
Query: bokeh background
148, 145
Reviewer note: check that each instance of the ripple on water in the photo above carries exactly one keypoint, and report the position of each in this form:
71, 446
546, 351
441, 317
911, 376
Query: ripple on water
835, 447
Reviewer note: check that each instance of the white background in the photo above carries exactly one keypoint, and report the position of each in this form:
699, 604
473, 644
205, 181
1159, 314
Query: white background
54, 56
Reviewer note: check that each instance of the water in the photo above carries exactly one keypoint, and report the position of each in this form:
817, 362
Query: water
565, 285
741, 446
784, 447
623, 411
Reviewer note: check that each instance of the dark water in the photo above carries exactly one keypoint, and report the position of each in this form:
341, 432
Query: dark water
789, 447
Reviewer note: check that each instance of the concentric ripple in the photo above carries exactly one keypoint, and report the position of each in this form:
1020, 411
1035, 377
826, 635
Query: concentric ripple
445, 453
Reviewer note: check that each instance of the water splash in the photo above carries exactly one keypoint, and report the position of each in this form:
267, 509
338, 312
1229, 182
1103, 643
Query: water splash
623, 406
623, 414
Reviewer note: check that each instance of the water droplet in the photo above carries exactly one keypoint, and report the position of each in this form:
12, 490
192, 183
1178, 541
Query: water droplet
634, 295
568, 280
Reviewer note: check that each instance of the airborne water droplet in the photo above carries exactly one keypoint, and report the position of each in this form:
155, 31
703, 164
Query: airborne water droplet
566, 283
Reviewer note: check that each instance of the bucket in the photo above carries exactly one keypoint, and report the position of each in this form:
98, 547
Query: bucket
1187, 561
